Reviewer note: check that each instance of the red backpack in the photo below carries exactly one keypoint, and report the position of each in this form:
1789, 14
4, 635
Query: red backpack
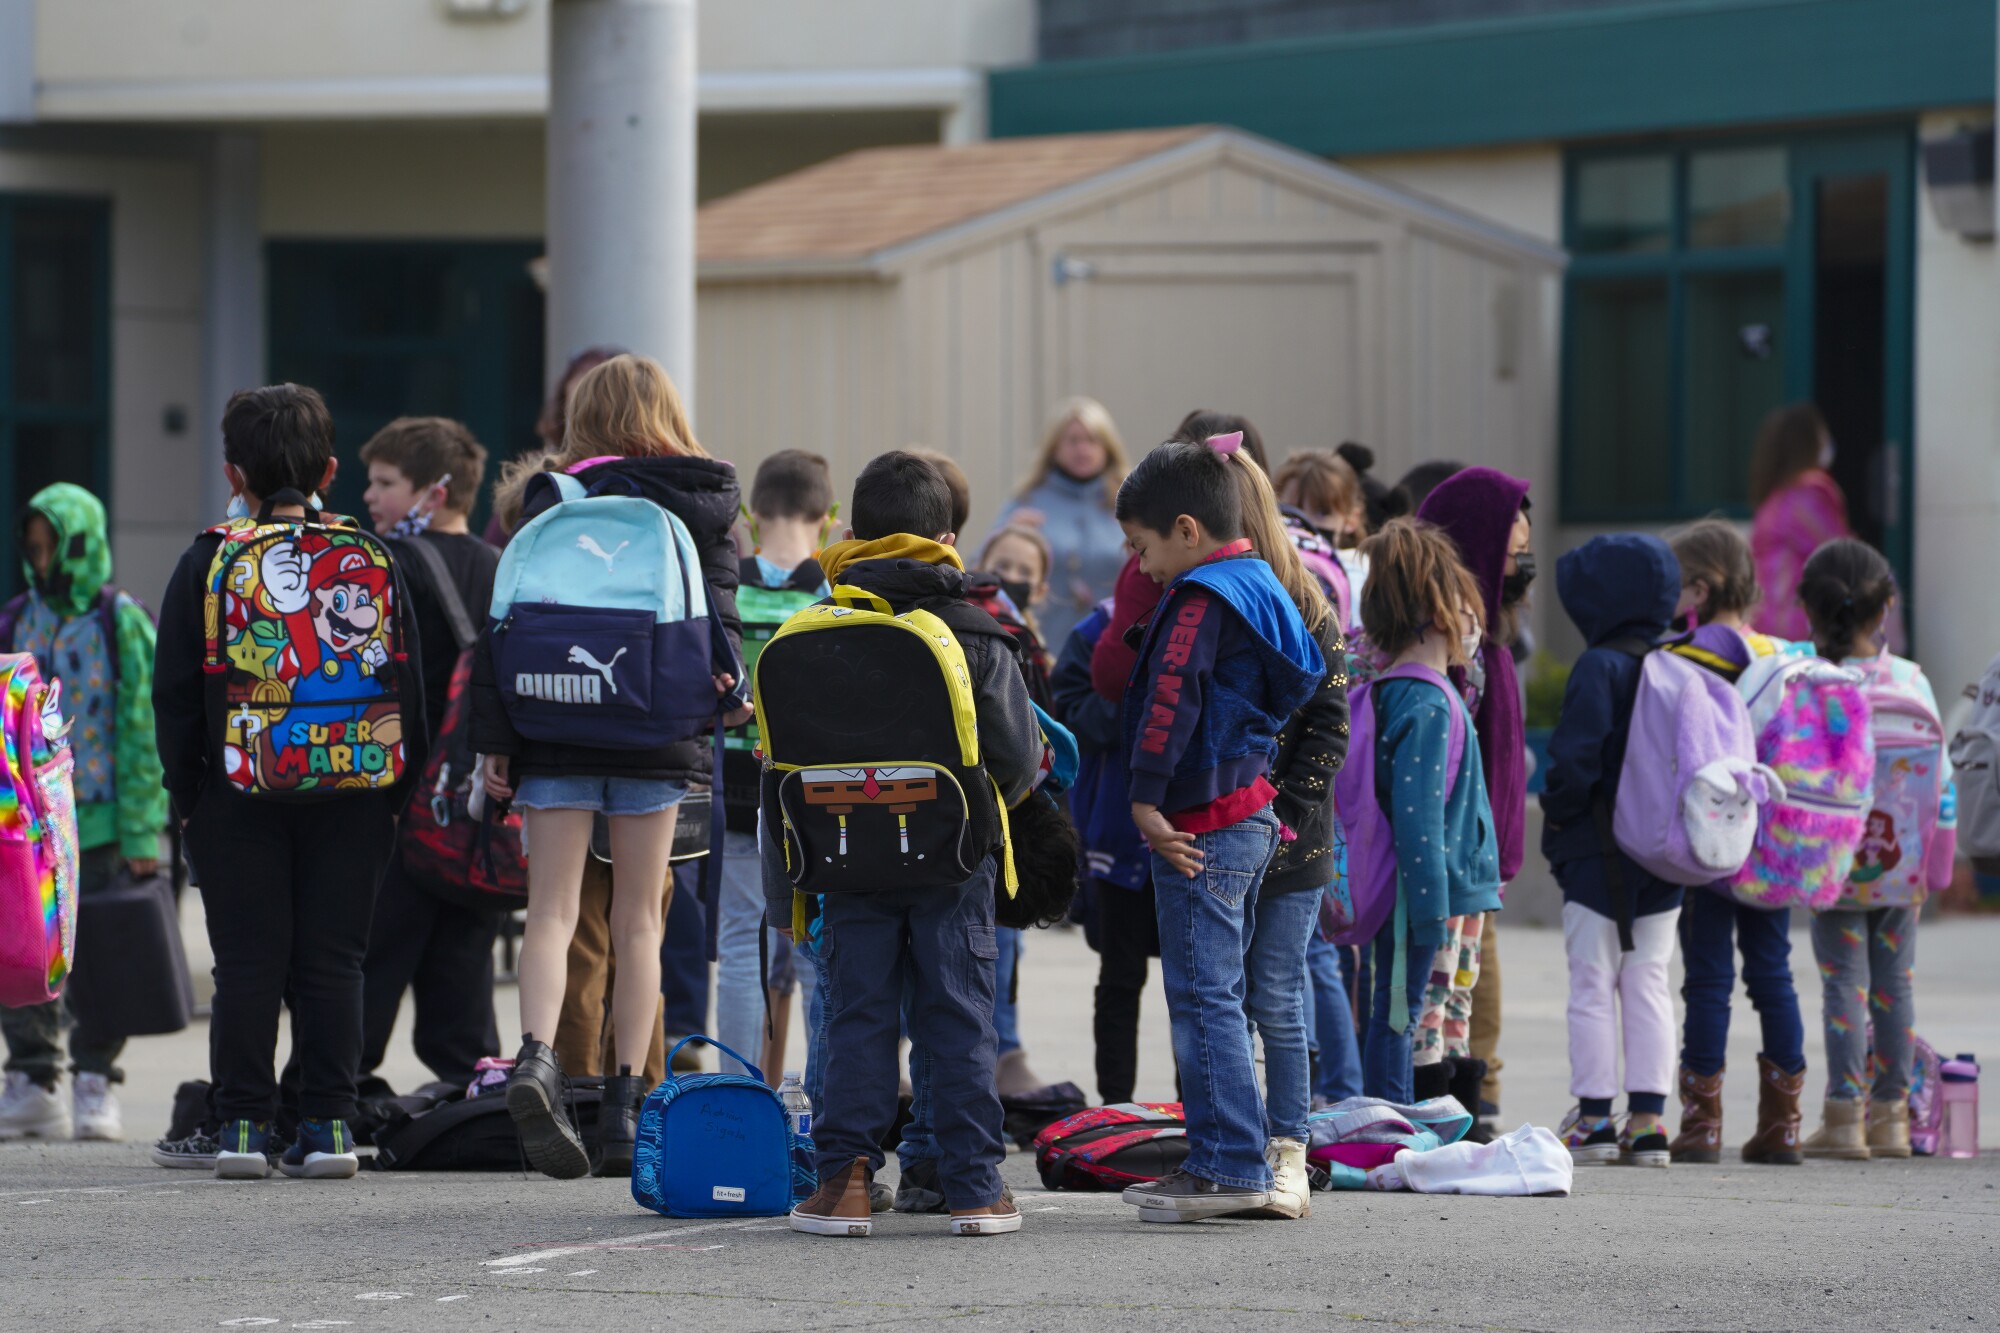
472, 861
1110, 1147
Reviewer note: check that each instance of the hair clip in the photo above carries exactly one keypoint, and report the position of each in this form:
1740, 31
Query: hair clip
1225, 444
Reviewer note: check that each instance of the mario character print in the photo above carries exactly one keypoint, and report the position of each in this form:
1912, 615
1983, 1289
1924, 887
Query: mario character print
311, 692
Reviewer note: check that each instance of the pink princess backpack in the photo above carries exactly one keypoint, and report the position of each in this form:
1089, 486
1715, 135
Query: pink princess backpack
1909, 842
38, 853
1811, 720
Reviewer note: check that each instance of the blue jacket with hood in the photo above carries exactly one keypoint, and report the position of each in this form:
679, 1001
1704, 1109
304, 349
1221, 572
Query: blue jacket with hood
1224, 662
1616, 588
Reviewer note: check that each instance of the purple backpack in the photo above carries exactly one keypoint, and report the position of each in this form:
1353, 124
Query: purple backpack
1691, 787
1370, 841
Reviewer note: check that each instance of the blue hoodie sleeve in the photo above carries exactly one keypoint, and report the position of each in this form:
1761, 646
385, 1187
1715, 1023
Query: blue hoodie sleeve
1576, 749
1410, 755
1174, 682
1093, 718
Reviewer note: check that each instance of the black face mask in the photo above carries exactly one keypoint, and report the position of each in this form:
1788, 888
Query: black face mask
1515, 586
1017, 593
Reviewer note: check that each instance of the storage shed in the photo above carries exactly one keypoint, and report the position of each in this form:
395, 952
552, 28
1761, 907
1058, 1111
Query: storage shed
947, 296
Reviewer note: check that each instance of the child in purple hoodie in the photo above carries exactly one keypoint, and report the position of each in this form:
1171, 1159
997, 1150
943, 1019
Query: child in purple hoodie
1485, 512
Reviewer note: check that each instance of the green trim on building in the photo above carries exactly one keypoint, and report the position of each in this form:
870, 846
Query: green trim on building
1694, 65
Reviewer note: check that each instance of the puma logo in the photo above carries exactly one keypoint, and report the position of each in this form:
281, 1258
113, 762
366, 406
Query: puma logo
589, 543
581, 656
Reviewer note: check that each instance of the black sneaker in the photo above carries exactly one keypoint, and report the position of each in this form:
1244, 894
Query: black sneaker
194, 1152
919, 1190
1180, 1197
1648, 1149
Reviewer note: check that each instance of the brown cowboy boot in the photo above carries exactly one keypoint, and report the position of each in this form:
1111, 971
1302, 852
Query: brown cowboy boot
1776, 1142
1700, 1139
840, 1206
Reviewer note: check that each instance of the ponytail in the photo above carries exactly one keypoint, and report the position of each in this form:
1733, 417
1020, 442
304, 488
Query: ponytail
1845, 587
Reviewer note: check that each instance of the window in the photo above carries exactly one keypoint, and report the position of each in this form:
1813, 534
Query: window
55, 350
1674, 329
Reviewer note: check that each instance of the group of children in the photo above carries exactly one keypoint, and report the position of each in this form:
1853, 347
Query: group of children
1253, 632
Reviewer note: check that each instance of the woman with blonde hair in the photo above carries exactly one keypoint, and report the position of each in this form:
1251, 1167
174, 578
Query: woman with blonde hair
626, 431
1068, 496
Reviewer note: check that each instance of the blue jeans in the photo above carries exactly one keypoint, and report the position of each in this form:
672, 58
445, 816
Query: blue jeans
943, 939
1006, 1014
739, 983
1274, 971
1206, 924
1708, 922
1338, 1075
1385, 1055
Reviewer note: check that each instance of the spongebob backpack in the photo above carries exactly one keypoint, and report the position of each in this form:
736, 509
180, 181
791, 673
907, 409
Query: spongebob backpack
872, 769
305, 634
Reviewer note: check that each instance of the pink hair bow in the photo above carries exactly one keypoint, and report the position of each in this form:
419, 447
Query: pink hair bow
1226, 444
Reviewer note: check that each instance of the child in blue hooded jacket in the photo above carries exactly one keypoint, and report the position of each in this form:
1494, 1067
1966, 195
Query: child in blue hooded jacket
1223, 663
1618, 921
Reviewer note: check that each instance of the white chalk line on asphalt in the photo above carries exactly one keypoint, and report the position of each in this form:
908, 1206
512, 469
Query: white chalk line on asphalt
652, 1240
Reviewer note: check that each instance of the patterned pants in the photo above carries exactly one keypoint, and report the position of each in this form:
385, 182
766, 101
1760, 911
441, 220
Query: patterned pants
1865, 962
1444, 1029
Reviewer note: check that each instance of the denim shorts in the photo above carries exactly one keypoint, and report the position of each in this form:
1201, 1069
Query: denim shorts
611, 796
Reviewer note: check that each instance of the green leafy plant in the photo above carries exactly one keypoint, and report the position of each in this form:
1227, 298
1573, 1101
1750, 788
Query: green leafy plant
1547, 679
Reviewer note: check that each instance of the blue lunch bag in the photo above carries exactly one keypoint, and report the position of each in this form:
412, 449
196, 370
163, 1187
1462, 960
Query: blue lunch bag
719, 1145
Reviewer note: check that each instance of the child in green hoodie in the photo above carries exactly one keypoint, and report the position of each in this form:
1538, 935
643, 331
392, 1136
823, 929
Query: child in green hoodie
98, 641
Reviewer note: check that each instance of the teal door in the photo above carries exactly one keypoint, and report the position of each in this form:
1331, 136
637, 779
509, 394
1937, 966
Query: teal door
389, 329
1849, 292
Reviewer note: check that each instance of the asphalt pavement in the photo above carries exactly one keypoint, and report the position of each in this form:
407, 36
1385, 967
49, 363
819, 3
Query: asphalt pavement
94, 1236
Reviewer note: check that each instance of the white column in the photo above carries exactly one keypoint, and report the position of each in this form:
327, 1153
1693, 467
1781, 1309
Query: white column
233, 301
621, 180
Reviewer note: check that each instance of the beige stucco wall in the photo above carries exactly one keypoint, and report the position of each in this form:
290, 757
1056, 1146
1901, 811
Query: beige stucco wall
156, 344
1957, 393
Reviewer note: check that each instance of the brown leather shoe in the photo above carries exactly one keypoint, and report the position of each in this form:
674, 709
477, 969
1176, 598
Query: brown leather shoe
840, 1206
1776, 1142
1700, 1139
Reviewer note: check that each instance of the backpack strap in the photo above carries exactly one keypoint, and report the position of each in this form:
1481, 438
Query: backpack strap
567, 487
462, 633
1614, 861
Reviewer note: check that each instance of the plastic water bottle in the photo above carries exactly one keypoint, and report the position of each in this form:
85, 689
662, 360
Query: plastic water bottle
1958, 1085
792, 1092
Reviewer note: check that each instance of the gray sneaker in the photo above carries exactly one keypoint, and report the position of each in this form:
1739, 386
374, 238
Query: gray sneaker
196, 1152
1180, 1197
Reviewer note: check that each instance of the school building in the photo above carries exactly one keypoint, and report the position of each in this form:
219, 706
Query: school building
1761, 201
198, 195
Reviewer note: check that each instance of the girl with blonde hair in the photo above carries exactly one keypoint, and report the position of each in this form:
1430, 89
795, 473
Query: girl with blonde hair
1068, 496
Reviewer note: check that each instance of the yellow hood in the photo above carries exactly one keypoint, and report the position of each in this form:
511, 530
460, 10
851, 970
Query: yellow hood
896, 546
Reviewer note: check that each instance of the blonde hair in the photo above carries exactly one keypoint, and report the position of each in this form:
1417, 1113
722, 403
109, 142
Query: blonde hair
625, 407
1265, 527
1415, 581
1032, 536
1092, 416
1323, 482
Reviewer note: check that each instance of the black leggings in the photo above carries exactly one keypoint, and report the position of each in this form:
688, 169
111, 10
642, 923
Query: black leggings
1127, 934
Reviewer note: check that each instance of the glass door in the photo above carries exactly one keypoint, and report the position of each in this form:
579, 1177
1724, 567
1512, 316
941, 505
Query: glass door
1848, 293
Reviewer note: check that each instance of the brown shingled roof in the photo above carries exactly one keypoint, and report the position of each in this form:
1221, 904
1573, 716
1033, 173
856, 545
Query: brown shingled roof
867, 201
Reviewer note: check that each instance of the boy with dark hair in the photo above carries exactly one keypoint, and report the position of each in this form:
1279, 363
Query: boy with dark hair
424, 475
940, 940
99, 642
790, 501
288, 884
1225, 660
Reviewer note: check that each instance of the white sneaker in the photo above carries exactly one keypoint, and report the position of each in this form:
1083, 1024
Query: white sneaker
1291, 1188
30, 1111
96, 1110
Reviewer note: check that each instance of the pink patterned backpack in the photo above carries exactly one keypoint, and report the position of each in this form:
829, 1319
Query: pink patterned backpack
1811, 720
38, 853
1910, 841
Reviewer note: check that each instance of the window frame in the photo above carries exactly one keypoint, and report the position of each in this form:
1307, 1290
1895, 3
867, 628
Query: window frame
93, 214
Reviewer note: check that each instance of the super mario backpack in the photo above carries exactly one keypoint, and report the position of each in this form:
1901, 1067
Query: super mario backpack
305, 648
38, 841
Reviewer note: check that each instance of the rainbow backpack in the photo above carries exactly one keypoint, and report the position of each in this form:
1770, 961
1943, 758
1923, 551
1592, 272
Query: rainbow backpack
1811, 721
305, 639
38, 853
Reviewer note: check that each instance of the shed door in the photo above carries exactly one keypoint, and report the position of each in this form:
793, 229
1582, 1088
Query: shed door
1292, 338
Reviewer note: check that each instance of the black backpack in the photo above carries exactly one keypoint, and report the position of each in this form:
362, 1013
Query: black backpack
472, 1134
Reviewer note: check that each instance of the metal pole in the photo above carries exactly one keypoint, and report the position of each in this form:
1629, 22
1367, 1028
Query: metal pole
621, 181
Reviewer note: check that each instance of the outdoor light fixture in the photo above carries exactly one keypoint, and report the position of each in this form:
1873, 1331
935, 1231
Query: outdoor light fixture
484, 9
1958, 168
